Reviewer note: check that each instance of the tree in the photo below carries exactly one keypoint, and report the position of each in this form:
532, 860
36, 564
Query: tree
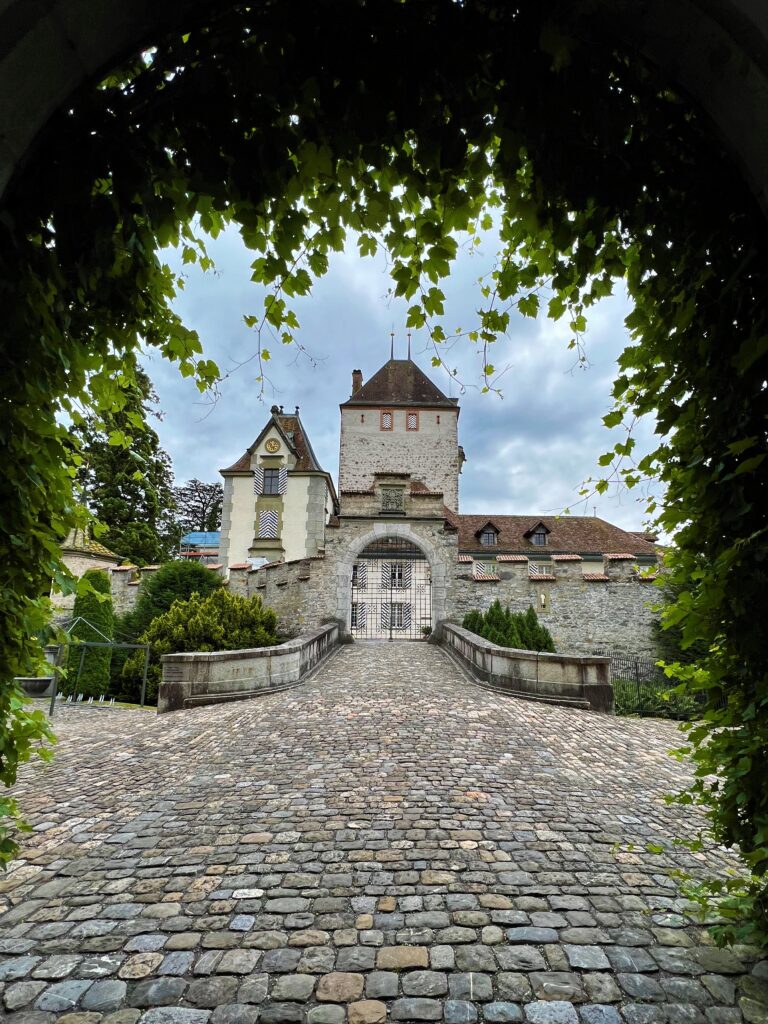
219, 621
520, 630
94, 621
595, 170
174, 581
198, 505
128, 488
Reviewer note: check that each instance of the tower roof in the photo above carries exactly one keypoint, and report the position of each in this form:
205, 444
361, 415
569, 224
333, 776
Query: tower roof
400, 382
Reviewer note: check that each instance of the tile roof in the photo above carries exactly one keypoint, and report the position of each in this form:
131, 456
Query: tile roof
465, 558
596, 577
568, 535
509, 558
567, 558
623, 556
292, 430
81, 540
536, 576
400, 382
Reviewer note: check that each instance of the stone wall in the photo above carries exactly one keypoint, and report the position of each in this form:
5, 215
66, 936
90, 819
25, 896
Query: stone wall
582, 682
583, 616
613, 611
199, 678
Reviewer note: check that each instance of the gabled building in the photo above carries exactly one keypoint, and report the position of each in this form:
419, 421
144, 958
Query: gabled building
277, 498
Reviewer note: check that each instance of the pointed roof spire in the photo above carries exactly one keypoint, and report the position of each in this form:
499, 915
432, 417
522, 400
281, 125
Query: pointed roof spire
391, 344
409, 344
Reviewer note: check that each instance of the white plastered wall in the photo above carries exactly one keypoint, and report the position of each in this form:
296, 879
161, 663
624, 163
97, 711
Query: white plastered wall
294, 535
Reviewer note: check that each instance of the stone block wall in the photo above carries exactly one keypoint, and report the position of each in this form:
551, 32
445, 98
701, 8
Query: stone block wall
583, 616
612, 610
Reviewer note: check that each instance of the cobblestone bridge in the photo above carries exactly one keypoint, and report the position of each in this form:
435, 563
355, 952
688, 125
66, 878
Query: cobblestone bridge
384, 842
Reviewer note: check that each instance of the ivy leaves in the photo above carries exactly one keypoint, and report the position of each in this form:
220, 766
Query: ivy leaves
303, 137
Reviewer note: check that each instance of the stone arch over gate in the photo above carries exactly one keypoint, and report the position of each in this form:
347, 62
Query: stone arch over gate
349, 553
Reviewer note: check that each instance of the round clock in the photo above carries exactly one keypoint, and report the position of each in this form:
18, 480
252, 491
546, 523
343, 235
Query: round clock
272, 445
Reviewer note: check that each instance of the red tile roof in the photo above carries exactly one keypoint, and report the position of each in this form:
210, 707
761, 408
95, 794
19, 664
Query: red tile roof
290, 426
596, 577
510, 558
569, 535
400, 382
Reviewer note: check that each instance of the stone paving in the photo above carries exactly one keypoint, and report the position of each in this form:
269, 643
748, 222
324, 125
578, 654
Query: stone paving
385, 842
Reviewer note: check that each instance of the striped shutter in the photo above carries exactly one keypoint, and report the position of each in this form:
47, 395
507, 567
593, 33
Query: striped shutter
362, 576
533, 569
385, 615
478, 570
386, 575
407, 574
258, 480
361, 615
407, 617
282, 485
268, 523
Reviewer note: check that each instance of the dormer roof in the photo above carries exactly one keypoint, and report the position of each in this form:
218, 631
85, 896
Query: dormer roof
489, 525
400, 382
538, 527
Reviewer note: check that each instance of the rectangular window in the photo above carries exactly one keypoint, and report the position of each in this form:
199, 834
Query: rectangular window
539, 538
354, 616
397, 575
271, 481
488, 537
355, 576
411, 421
397, 616
386, 419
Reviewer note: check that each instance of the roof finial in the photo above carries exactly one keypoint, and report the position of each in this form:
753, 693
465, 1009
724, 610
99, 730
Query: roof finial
409, 345
391, 344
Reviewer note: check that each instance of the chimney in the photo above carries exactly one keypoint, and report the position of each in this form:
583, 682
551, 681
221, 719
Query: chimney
357, 380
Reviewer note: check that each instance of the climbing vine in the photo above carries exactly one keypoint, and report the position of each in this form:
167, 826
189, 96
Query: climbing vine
416, 123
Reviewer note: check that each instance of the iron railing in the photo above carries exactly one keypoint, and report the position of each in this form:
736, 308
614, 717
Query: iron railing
640, 687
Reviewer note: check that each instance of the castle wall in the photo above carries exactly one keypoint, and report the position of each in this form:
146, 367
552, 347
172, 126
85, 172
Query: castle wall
430, 454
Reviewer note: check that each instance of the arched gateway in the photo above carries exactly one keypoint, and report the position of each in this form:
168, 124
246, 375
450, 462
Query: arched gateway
391, 595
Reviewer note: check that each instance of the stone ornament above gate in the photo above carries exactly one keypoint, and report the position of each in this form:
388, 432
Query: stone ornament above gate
392, 499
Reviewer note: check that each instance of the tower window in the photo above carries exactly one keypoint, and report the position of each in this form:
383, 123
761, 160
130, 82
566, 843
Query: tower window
386, 419
488, 537
271, 481
412, 421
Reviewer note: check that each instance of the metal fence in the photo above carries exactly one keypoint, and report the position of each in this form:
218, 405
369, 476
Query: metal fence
641, 688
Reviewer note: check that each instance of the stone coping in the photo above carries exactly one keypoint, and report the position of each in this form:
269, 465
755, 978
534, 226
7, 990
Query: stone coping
571, 679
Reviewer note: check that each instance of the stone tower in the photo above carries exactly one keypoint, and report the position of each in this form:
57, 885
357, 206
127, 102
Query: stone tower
400, 423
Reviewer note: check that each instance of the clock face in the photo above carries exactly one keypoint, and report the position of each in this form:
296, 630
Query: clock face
272, 445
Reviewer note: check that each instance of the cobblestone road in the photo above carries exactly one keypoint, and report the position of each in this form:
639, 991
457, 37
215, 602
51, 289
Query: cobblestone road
385, 842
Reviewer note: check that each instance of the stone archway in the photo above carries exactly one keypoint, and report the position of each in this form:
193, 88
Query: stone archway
717, 54
349, 554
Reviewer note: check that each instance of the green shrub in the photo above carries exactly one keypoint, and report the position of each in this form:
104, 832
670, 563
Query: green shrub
93, 607
219, 622
521, 630
173, 581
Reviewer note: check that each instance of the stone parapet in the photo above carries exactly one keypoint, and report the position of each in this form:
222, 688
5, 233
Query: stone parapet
575, 680
197, 678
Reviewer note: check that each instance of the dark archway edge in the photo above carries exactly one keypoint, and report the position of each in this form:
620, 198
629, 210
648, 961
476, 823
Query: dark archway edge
715, 51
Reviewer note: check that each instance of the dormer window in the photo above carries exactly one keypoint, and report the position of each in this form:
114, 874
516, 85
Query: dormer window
386, 419
488, 537
539, 537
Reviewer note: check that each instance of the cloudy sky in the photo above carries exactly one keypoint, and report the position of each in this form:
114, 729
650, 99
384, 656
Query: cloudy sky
527, 452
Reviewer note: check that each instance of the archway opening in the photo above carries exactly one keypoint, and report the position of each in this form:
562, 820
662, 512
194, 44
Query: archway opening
391, 591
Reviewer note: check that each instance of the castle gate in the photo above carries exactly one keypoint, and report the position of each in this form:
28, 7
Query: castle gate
391, 591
